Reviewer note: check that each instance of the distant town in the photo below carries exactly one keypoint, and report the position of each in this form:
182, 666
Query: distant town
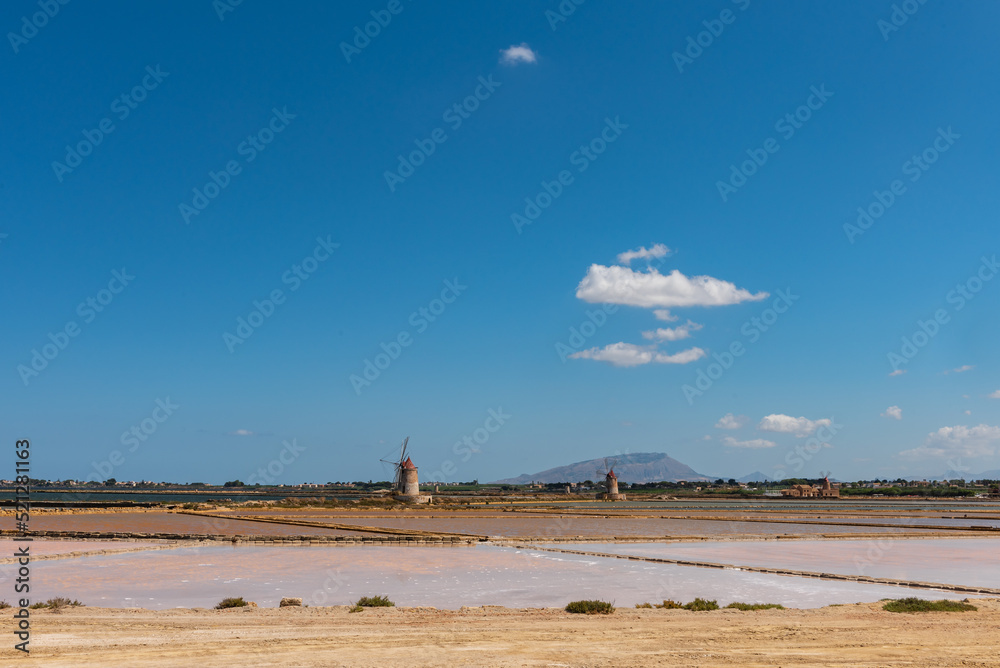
790, 487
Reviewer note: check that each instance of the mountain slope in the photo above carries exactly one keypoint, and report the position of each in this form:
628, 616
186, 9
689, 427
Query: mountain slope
632, 468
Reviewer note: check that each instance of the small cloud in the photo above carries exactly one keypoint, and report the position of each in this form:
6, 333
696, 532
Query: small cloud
731, 442
893, 412
658, 250
961, 369
730, 421
898, 372
786, 424
706, 437
515, 54
241, 432
995, 395
672, 333
628, 354
968, 412
664, 314
651, 289
626, 423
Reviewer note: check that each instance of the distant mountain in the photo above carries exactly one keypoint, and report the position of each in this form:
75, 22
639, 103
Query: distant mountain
632, 468
968, 475
756, 476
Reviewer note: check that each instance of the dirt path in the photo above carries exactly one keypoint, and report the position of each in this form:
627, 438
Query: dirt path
853, 635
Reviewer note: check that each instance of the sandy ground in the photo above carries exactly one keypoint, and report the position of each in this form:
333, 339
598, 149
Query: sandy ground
852, 635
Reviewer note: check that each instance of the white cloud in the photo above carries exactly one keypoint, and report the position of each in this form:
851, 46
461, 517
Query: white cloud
731, 442
958, 441
961, 369
706, 437
898, 372
995, 395
786, 424
968, 412
241, 432
517, 53
730, 421
893, 412
658, 250
672, 333
650, 288
628, 354
665, 315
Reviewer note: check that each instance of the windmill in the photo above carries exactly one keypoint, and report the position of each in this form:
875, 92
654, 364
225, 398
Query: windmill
404, 481
397, 465
610, 481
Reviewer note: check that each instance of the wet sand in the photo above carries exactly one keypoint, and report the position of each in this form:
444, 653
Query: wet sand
860, 635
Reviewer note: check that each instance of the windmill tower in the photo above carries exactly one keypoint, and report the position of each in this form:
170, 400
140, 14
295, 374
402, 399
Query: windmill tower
405, 485
610, 492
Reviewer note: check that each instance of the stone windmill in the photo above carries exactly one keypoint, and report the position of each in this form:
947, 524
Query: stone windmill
610, 492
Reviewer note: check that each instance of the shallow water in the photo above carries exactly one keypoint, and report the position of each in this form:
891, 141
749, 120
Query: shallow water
444, 577
971, 562
154, 522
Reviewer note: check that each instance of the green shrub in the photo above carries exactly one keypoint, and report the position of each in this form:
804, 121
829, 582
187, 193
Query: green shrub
4, 605
590, 607
374, 602
700, 605
643, 605
669, 604
55, 604
756, 606
231, 602
920, 605
355, 608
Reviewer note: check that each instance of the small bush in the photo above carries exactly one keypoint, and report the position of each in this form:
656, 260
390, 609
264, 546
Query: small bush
700, 605
54, 604
756, 606
355, 608
231, 602
590, 607
4, 605
669, 604
920, 605
643, 605
374, 602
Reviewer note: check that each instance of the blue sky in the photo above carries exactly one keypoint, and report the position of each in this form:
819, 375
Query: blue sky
383, 189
